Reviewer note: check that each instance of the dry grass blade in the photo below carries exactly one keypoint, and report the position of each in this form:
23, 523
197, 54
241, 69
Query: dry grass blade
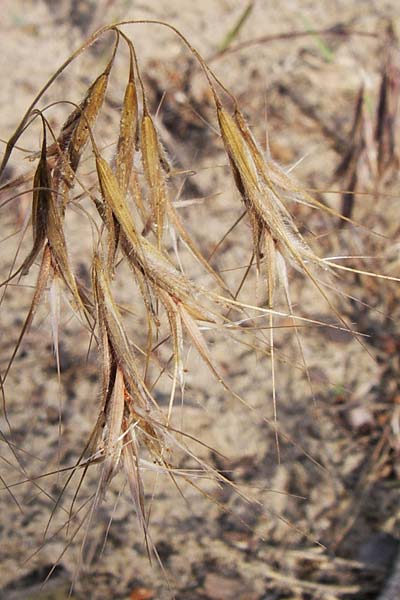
348, 168
234, 32
388, 108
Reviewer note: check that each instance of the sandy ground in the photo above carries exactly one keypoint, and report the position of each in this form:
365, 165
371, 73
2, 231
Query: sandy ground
324, 521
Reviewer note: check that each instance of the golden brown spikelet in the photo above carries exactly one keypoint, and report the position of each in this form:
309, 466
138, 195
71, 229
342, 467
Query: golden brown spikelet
41, 198
128, 133
75, 134
112, 441
116, 216
275, 233
89, 112
155, 166
238, 151
154, 174
158, 279
114, 198
75, 131
124, 160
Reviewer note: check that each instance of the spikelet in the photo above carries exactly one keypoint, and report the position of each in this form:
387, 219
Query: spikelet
112, 445
124, 159
75, 134
156, 168
153, 166
40, 208
128, 133
89, 112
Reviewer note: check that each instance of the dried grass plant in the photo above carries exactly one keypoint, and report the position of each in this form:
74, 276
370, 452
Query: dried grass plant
130, 207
